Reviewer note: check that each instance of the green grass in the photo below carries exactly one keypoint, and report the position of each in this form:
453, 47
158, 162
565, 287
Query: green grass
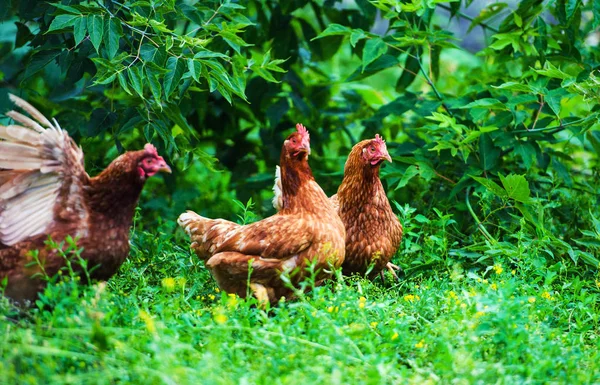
162, 320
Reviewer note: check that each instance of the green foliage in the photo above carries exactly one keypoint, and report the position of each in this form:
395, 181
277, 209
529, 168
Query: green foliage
495, 137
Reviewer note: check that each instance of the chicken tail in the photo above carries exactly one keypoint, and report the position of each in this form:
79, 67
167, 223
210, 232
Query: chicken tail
206, 234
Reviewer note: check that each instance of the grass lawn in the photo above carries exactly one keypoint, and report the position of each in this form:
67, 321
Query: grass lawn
162, 320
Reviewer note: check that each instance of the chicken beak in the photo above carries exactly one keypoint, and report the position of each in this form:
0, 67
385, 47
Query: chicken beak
164, 167
387, 157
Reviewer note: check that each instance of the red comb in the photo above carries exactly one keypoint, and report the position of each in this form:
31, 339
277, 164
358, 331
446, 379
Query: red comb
379, 139
301, 129
150, 149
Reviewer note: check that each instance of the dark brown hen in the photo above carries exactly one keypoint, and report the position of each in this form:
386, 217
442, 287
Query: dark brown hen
373, 232
306, 230
45, 191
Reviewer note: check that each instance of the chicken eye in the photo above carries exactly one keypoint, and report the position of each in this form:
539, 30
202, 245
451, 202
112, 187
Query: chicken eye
294, 140
372, 149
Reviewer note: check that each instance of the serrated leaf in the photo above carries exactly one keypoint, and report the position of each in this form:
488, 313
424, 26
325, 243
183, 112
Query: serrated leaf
62, 22
175, 68
95, 27
356, 35
491, 186
487, 103
333, 30
516, 187
195, 69
373, 49
39, 60
123, 82
154, 84
112, 34
514, 86
67, 8
135, 78
79, 29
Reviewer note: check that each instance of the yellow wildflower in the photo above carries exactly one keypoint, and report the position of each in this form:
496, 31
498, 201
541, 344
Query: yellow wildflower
232, 300
219, 315
531, 299
420, 344
479, 314
498, 268
211, 297
513, 272
411, 297
452, 294
169, 284
147, 318
395, 336
547, 295
361, 302
217, 290
493, 286
373, 324
330, 309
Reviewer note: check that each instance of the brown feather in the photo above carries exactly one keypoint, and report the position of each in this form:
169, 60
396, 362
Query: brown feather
305, 230
97, 211
373, 232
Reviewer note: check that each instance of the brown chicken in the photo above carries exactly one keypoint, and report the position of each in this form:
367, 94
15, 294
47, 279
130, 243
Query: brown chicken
45, 191
304, 232
373, 232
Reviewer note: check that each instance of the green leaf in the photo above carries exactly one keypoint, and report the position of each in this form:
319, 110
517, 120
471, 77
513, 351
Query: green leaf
596, 13
123, 82
135, 78
62, 22
491, 186
95, 27
175, 68
112, 34
516, 187
333, 30
571, 7
514, 86
488, 152
154, 84
487, 103
39, 60
79, 29
356, 35
526, 151
554, 97
195, 68
410, 172
374, 48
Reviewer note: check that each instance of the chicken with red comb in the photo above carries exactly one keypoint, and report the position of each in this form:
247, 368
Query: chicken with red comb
373, 232
45, 192
306, 231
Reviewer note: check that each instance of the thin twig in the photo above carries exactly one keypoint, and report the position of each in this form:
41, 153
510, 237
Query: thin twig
470, 18
479, 224
539, 111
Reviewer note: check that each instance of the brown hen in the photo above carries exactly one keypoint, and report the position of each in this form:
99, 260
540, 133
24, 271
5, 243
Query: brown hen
373, 232
45, 191
305, 231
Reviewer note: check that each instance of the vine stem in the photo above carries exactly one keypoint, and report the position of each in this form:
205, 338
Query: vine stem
433, 87
480, 225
